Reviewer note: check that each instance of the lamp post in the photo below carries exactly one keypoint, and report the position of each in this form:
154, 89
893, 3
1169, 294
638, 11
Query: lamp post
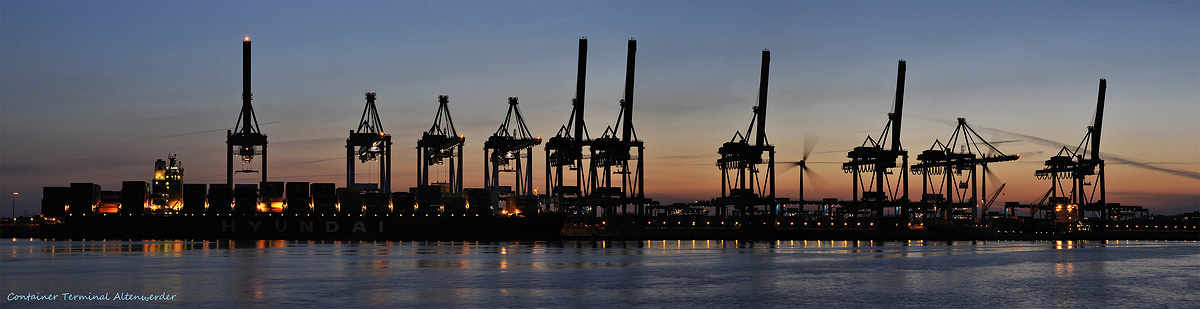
14, 206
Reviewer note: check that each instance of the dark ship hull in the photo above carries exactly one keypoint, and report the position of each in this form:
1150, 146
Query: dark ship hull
464, 227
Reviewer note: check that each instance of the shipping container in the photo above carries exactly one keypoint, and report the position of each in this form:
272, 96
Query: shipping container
54, 201
245, 198
297, 199
134, 197
324, 196
220, 199
271, 197
194, 198
350, 201
83, 198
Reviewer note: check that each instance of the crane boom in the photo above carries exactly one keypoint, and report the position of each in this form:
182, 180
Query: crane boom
992, 199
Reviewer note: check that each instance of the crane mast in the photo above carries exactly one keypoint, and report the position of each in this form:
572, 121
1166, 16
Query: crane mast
740, 183
873, 158
245, 140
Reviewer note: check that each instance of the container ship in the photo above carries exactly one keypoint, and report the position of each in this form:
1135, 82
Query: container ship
167, 208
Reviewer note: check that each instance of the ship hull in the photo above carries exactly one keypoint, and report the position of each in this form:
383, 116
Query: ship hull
301, 227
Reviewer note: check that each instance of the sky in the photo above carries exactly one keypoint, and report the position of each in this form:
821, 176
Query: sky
96, 91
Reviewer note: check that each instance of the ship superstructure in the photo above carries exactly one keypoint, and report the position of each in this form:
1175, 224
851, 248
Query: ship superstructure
167, 188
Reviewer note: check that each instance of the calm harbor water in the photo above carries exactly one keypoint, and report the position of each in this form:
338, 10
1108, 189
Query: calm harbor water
699, 274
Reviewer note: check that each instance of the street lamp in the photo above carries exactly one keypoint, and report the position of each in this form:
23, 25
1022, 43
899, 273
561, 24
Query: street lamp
14, 207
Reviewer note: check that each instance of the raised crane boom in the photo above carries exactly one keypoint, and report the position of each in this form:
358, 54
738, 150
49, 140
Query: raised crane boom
245, 140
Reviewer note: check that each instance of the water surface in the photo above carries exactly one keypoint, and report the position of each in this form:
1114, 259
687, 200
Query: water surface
697, 274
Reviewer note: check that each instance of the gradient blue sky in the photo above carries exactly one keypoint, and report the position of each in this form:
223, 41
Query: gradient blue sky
89, 91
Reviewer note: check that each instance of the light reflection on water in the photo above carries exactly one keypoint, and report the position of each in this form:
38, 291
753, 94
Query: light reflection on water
674, 273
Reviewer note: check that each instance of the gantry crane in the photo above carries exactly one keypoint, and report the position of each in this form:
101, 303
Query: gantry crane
741, 185
368, 143
875, 157
964, 151
565, 149
441, 145
611, 154
1078, 165
502, 153
245, 140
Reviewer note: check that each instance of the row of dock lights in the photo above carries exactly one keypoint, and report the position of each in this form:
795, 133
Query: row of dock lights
873, 224
650, 222
736, 223
1156, 226
272, 215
